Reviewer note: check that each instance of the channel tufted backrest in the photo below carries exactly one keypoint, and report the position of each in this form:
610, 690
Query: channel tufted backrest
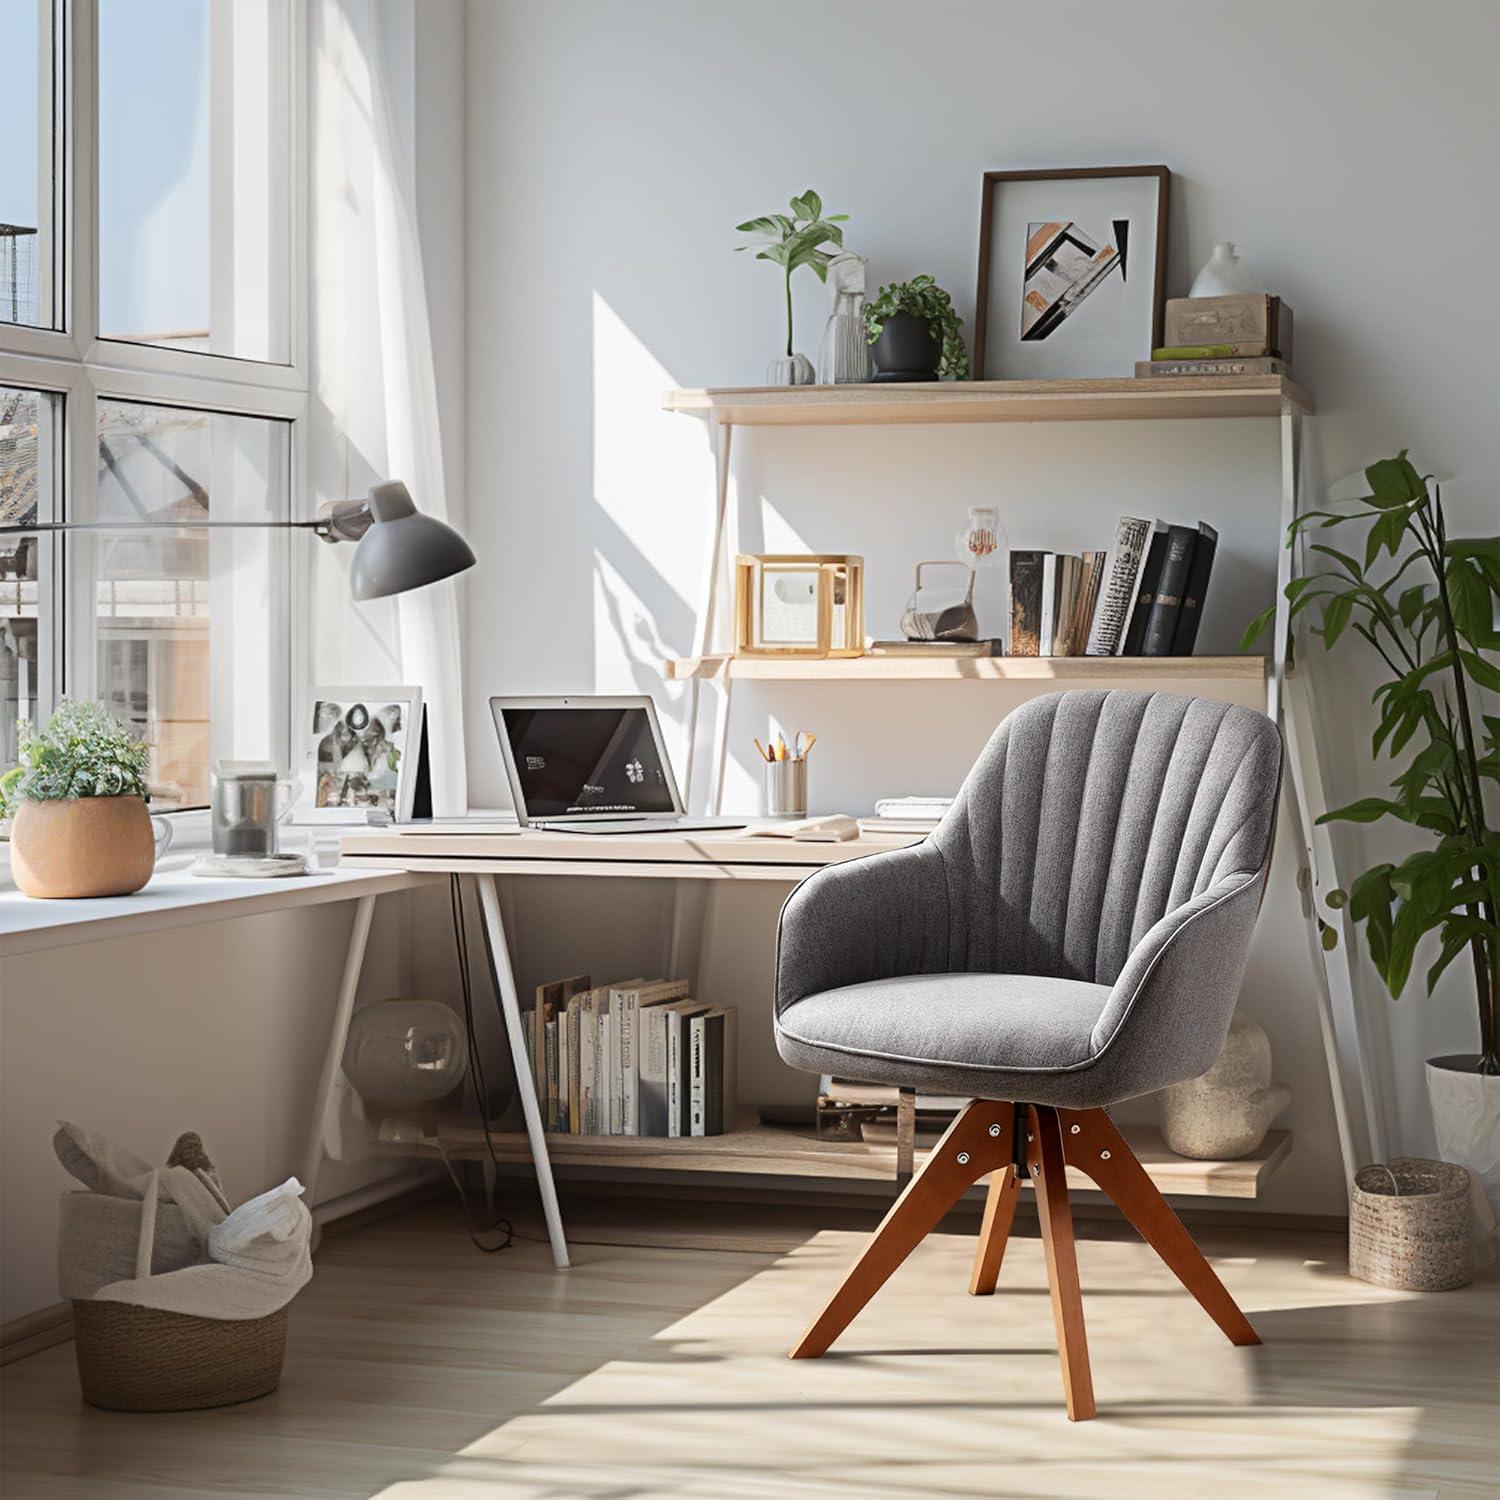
1089, 816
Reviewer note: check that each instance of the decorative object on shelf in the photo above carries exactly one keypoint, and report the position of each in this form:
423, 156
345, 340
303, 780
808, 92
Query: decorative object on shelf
1226, 1113
786, 775
799, 604
1209, 366
1437, 639
1222, 274
178, 1303
248, 866
77, 805
844, 358
1249, 325
789, 242
941, 613
982, 544
1409, 1226
402, 1053
363, 749
916, 333
248, 801
1072, 272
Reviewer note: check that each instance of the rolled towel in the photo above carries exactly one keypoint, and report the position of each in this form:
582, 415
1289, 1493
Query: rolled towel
252, 1231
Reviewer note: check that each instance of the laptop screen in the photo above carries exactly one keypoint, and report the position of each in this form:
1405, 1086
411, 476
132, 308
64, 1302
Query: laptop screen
598, 760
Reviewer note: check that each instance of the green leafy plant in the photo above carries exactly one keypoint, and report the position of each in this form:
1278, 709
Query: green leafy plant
795, 240
1429, 613
923, 298
83, 752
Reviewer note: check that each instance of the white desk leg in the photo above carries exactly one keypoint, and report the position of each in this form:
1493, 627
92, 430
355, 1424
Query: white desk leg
331, 1084
510, 1005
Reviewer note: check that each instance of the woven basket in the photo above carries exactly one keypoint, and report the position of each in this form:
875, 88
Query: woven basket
1409, 1226
140, 1359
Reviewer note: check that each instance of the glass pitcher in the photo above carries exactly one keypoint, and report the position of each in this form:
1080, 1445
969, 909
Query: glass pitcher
249, 800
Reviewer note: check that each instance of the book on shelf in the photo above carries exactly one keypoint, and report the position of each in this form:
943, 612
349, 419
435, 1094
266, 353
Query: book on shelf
1156, 552
936, 648
1026, 602
628, 1003
1118, 594
551, 999
712, 1064
679, 1075
1166, 599
1204, 548
1213, 365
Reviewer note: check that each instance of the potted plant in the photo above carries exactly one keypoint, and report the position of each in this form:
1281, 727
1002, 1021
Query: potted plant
1429, 614
77, 805
916, 333
789, 242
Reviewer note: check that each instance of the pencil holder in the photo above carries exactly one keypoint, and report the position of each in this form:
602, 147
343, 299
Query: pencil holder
786, 788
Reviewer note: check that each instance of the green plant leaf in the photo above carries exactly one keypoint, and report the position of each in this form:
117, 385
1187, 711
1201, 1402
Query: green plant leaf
1335, 617
1366, 810
1256, 626
1469, 599
1481, 671
1394, 481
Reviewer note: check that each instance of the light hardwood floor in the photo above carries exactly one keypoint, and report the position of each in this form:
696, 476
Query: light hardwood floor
422, 1370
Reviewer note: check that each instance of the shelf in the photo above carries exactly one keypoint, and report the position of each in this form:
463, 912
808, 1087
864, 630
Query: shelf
1125, 399
764, 1151
1116, 671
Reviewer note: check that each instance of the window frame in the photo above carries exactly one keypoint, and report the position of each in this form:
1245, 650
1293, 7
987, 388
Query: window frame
74, 361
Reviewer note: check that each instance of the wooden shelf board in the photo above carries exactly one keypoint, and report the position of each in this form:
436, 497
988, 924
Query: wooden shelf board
1122, 399
1115, 670
762, 1150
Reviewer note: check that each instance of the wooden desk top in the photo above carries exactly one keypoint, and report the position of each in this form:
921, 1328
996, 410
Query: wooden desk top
728, 854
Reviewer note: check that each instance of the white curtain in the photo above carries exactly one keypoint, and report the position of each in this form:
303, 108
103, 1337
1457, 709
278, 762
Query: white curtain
375, 410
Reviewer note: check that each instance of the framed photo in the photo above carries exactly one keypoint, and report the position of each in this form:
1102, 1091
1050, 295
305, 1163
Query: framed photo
358, 750
1072, 272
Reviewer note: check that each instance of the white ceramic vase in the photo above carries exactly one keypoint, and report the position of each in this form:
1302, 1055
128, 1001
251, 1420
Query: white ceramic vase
791, 369
1222, 274
1226, 1113
1466, 1114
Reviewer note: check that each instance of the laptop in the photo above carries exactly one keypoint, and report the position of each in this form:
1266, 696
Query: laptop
592, 765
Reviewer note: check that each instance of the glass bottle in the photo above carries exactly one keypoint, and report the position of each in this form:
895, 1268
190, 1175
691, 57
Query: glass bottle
982, 543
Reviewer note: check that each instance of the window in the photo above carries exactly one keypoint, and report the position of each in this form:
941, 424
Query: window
152, 392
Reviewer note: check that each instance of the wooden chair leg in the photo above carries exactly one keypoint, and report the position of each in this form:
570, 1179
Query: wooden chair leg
999, 1211
1049, 1175
966, 1152
1095, 1146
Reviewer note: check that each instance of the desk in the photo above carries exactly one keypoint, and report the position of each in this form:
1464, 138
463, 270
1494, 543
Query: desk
710, 855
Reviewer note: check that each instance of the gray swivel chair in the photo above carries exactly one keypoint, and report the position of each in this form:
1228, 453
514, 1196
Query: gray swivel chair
1072, 934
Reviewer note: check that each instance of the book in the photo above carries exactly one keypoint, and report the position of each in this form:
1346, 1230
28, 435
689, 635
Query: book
1069, 586
1196, 591
548, 1101
563, 1112
1210, 367
550, 998
679, 1075
654, 1073
711, 1052
575, 1069
626, 1006
1089, 588
1026, 603
588, 1059
1117, 595
1048, 631
912, 807
1145, 592
898, 825
935, 648
834, 828
1171, 584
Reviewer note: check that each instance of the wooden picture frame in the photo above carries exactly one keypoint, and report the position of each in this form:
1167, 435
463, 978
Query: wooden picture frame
996, 355
837, 626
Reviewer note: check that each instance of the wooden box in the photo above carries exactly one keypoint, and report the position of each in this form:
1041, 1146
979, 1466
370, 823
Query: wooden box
1251, 324
799, 604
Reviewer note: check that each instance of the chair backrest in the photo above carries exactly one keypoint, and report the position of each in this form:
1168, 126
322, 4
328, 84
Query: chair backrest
1090, 815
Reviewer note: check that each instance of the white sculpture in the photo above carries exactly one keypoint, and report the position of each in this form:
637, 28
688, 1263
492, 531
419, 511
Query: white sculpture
1222, 274
1225, 1114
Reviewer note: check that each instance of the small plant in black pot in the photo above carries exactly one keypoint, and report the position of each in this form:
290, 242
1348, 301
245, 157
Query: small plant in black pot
915, 332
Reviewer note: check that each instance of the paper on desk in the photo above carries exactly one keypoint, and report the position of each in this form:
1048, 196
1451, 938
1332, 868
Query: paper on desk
837, 828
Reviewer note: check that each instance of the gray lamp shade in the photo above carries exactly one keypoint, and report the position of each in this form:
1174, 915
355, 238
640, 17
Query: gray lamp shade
403, 549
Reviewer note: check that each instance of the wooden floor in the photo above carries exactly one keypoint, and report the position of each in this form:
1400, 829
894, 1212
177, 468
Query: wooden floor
420, 1369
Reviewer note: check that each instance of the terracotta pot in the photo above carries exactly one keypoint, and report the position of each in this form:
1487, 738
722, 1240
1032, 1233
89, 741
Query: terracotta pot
82, 846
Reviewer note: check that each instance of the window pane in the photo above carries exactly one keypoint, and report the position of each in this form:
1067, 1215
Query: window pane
28, 430
194, 124
191, 623
27, 237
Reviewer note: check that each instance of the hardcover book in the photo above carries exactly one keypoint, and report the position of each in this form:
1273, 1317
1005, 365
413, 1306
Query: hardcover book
628, 1003
1069, 589
712, 1060
1171, 584
550, 999
1119, 593
1196, 592
1145, 595
1026, 603
679, 1068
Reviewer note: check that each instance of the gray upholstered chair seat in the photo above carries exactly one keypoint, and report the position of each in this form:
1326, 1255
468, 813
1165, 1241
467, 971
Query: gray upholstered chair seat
948, 1033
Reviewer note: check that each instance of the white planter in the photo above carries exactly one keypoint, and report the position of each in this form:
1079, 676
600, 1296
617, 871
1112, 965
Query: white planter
1466, 1113
791, 369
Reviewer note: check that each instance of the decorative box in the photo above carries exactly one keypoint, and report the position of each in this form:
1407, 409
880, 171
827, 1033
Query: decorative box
799, 604
1251, 324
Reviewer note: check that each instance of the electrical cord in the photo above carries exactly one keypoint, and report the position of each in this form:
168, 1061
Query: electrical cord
502, 1225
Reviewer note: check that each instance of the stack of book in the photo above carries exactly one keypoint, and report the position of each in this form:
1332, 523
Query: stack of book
1247, 333
1145, 598
636, 1057
906, 815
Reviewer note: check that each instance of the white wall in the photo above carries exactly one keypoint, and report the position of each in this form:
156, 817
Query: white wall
611, 148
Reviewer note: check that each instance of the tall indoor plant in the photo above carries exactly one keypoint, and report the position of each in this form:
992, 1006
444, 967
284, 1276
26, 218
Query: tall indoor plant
77, 805
1429, 614
790, 241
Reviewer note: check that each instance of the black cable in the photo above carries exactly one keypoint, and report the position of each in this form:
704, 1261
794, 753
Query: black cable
461, 942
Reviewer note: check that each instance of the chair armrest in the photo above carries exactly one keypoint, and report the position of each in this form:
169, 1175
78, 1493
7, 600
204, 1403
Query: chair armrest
1169, 1011
868, 918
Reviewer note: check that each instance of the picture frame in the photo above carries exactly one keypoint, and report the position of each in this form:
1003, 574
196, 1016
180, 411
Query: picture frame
358, 750
1072, 272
